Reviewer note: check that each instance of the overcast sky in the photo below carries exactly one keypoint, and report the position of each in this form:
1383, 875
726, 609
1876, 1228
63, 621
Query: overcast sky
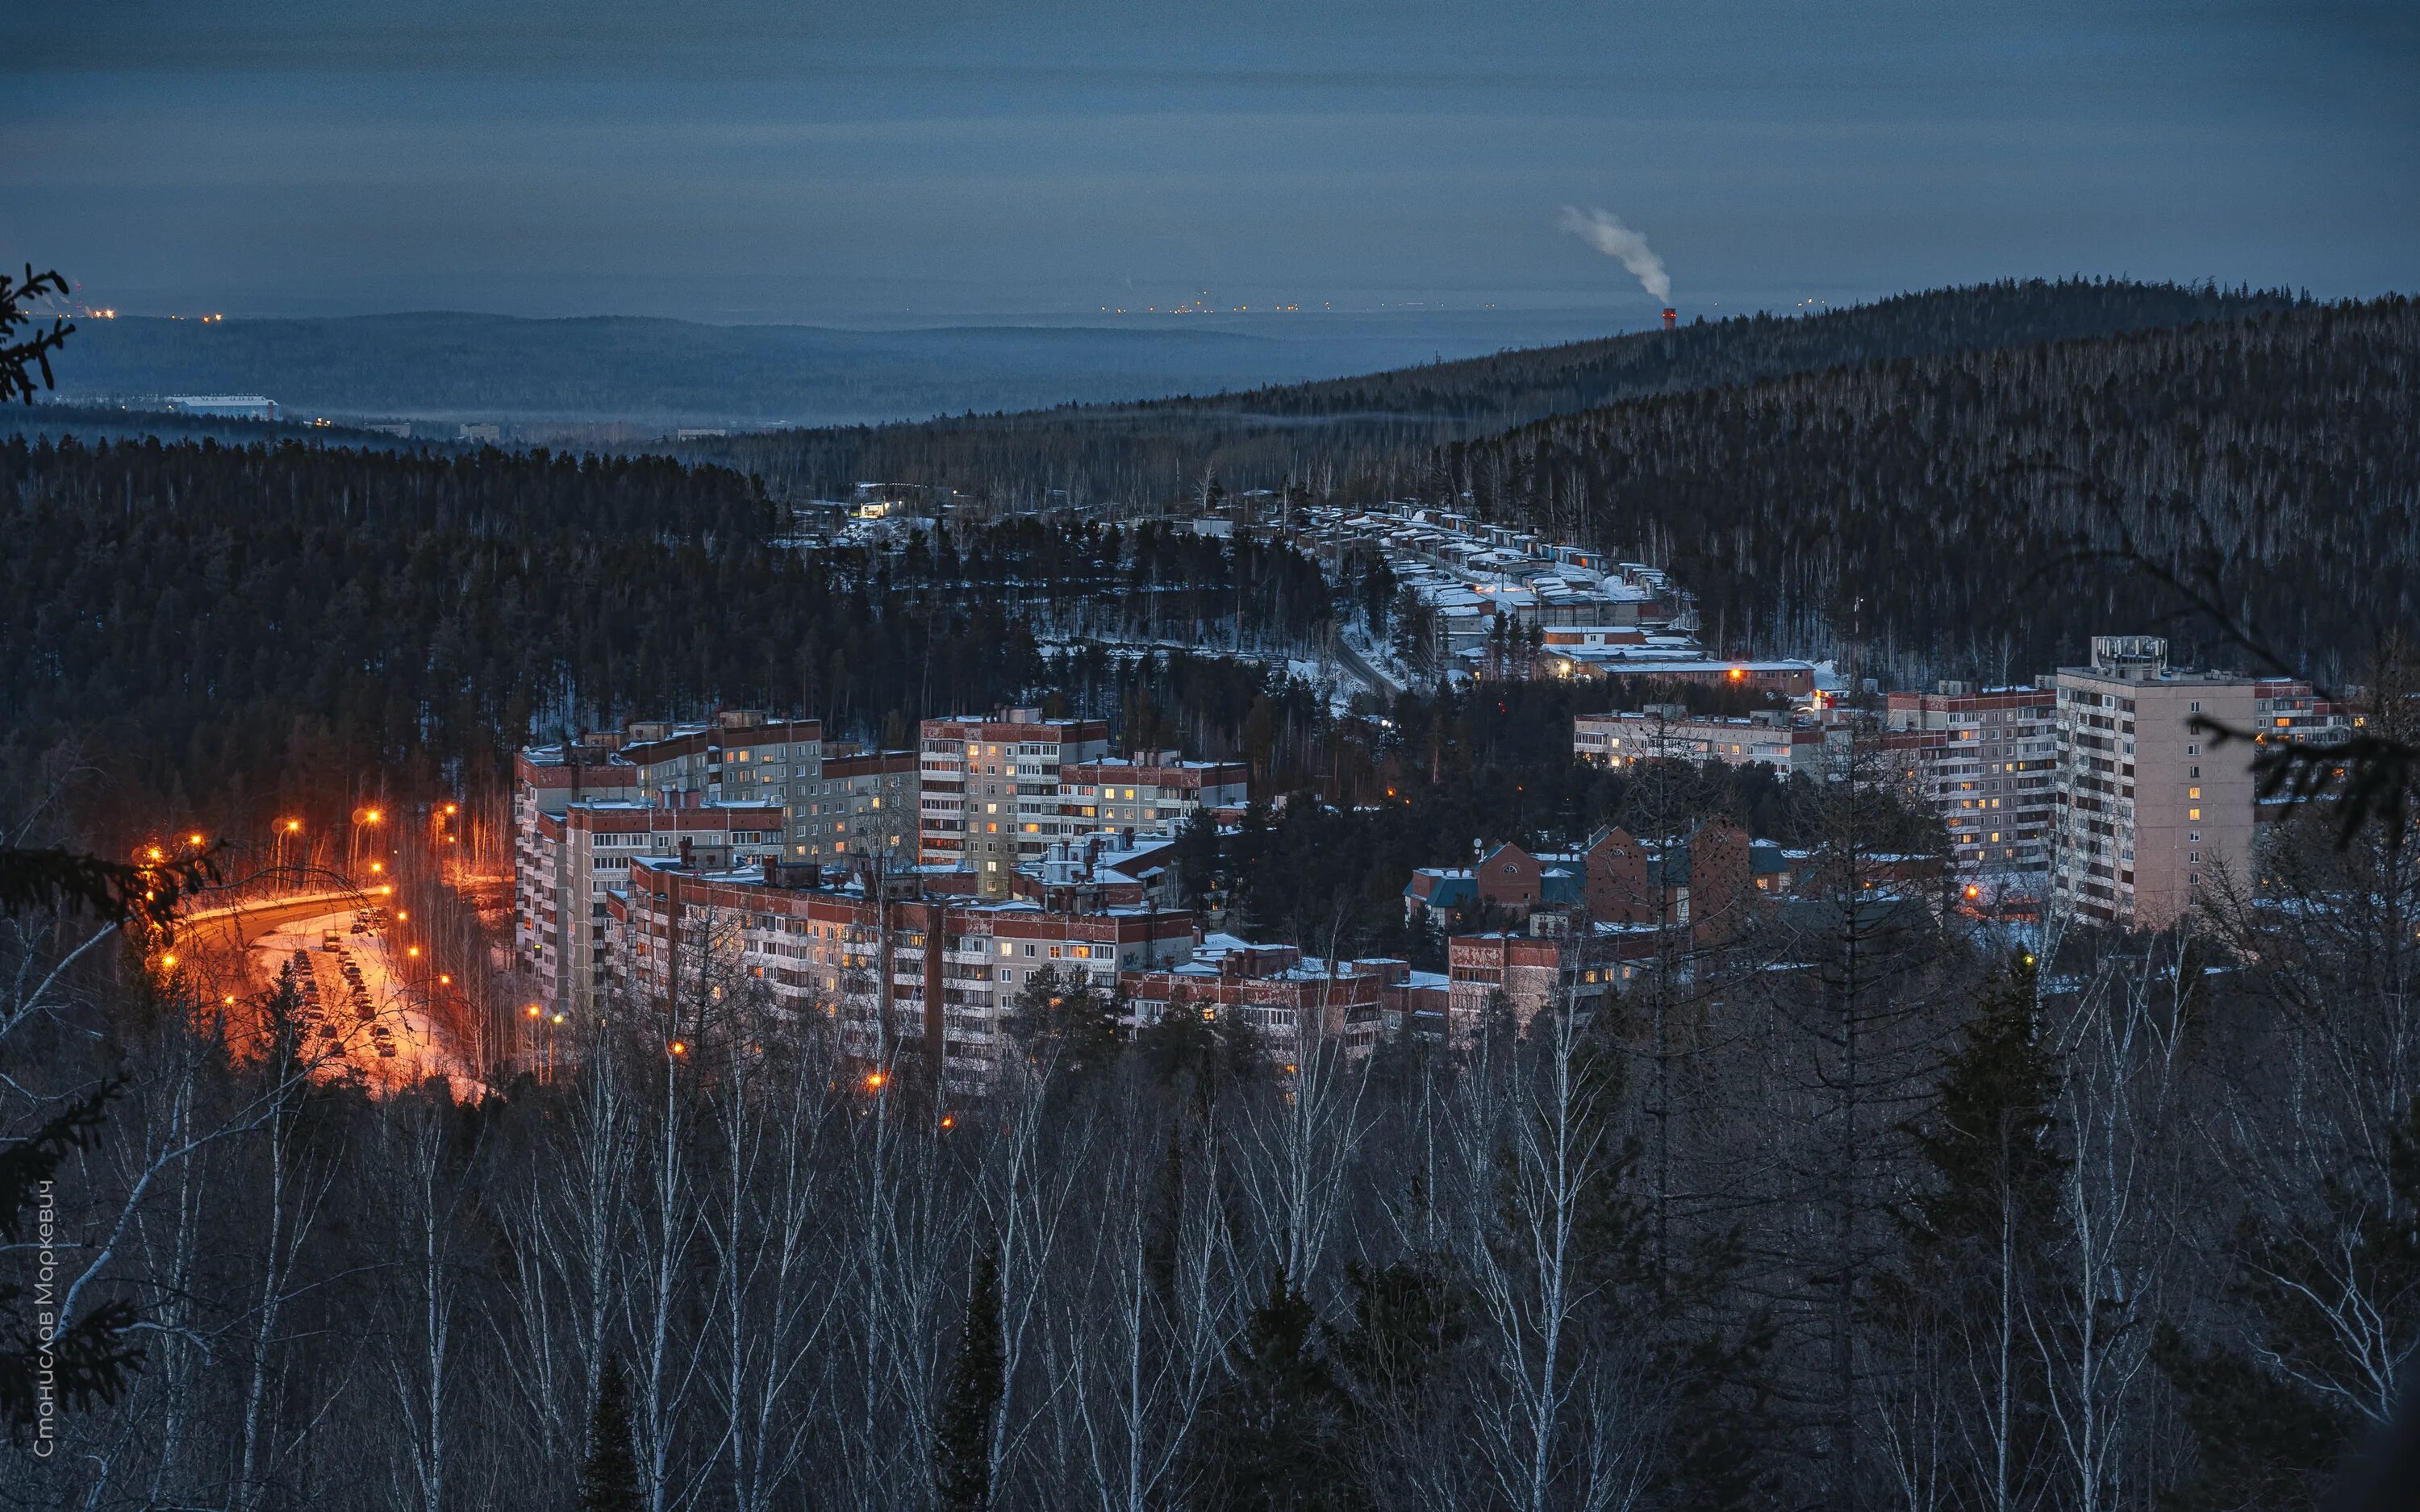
925, 160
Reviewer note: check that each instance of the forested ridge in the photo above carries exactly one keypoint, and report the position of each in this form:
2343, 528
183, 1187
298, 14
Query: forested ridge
1957, 514
224, 628
1371, 434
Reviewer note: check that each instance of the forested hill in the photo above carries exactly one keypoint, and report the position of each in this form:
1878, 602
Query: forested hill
1923, 508
217, 631
1374, 431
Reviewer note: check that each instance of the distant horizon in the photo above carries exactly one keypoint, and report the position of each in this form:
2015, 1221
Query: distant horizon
1646, 313
957, 162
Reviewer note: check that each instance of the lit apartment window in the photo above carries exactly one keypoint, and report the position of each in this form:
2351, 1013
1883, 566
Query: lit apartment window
2192, 793
2192, 814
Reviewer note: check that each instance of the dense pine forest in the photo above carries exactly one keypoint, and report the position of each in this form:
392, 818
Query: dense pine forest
1361, 436
224, 630
1970, 513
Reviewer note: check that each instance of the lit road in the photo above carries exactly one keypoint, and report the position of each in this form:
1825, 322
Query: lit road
363, 1018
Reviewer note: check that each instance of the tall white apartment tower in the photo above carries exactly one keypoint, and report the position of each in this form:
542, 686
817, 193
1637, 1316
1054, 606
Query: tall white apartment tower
2149, 810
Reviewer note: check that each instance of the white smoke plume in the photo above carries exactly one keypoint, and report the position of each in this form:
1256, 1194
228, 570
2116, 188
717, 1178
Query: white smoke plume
1604, 230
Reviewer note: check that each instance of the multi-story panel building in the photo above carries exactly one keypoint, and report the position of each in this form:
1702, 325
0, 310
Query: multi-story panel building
1148, 790
2150, 810
903, 972
1985, 762
1531, 971
1617, 739
738, 756
1290, 1001
574, 861
989, 795
865, 804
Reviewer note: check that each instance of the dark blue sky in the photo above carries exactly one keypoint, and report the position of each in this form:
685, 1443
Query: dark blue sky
730, 160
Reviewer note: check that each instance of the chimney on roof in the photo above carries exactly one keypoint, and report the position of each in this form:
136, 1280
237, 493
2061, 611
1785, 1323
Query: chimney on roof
1671, 318
772, 871
688, 857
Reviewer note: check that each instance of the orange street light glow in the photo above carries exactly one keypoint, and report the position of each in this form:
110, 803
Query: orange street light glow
168, 960
679, 1048
413, 952
445, 980
373, 816
949, 1123
194, 839
533, 1010
153, 852
376, 867
875, 1079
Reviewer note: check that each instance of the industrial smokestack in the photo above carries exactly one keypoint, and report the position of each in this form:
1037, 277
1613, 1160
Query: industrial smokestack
1671, 318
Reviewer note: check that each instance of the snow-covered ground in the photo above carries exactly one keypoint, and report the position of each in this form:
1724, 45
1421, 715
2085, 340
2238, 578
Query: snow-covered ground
342, 1027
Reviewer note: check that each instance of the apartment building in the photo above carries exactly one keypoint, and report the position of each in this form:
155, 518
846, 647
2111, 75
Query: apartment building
739, 756
1290, 1002
2150, 811
902, 971
989, 790
1985, 761
864, 803
1148, 790
571, 864
1669, 731
1530, 970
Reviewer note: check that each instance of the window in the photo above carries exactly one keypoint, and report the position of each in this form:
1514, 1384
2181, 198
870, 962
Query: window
2192, 793
2195, 707
2192, 814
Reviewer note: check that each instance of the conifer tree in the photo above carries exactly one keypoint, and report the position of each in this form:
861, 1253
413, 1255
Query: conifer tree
962, 1453
1273, 1441
609, 1481
1978, 1236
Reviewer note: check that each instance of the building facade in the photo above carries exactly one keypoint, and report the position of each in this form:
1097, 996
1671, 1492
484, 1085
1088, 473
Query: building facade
1148, 790
864, 803
573, 863
1531, 971
903, 972
2150, 811
989, 790
1985, 762
1665, 734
